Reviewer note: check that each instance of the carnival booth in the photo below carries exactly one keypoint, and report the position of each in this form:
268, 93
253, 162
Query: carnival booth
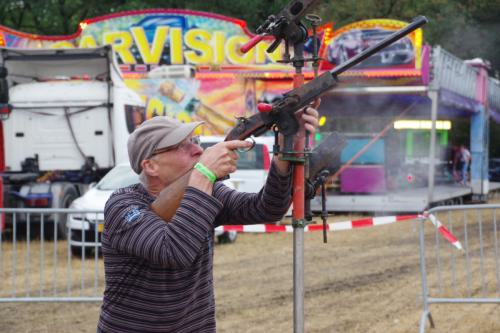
401, 110
405, 111
409, 107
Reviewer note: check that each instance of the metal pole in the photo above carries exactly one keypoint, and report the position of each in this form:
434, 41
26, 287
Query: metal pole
434, 96
425, 291
298, 280
298, 215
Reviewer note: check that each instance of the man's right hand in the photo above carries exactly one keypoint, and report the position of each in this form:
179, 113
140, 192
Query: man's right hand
221, 158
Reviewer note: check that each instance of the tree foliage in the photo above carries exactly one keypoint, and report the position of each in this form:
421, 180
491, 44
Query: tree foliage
467, 28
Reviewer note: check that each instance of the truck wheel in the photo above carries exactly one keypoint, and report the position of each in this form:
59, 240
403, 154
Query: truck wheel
68, 196
227, 237
76, 250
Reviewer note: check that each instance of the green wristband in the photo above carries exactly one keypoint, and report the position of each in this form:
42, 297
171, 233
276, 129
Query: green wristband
206, 172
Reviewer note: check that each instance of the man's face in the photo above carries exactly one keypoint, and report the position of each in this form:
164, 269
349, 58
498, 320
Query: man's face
173, 162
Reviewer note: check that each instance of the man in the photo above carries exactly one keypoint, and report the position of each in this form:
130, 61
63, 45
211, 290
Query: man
465, 158
158, 235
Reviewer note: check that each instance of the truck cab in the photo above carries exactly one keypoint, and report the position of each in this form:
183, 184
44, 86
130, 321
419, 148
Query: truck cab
64, 125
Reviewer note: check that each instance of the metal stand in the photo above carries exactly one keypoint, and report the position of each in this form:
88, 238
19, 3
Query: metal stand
286, 26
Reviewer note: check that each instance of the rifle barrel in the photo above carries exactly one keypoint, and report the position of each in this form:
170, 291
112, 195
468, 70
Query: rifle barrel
415, 24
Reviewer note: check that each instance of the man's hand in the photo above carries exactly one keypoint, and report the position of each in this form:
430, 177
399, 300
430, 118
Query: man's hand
309, 116
221, 158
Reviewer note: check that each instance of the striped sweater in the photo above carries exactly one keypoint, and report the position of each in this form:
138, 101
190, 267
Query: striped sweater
159, 275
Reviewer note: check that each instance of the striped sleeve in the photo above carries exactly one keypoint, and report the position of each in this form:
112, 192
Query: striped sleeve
131, 227
267, 206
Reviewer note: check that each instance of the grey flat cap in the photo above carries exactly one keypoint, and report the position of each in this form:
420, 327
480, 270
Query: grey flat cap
156, 133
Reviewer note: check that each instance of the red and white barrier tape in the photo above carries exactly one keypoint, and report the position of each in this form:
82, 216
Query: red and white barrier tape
337, 226
444, 232
346, 225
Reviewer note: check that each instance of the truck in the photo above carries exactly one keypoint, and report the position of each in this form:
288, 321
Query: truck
65, 118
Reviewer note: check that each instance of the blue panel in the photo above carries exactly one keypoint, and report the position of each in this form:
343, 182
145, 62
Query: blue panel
374, 155
478, 147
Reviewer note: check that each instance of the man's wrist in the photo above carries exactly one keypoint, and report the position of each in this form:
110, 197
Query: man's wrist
205, 172
282, 167
200, 181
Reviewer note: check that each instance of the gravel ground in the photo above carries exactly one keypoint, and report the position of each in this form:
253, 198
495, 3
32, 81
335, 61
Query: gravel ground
364, 280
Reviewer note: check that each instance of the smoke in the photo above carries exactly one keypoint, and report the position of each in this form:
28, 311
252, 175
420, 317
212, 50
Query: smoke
399, 159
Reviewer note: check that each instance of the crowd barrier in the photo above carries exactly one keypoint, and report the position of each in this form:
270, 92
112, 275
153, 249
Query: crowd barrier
458, 250
41, 262
467, 272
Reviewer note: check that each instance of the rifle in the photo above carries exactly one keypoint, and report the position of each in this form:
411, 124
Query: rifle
282, 112
282, 116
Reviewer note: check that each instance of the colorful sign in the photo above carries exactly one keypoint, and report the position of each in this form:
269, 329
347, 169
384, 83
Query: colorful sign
158, 37
145, 40
208, 78
402, 58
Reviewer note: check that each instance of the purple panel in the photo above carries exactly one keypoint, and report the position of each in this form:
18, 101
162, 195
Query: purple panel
457, 101
363, 179
426, 50
495, 115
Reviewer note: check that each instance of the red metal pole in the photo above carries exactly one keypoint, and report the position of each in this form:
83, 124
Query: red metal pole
298, 212
2, 169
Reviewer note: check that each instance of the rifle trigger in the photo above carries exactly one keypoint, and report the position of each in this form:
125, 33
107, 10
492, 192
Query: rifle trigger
244, 150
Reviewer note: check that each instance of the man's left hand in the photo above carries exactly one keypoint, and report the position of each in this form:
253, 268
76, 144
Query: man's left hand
310, 116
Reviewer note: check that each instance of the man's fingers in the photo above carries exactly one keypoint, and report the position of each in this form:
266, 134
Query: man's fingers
316, 103
309, 119
236, 144
310, 128
311, 111
234, 155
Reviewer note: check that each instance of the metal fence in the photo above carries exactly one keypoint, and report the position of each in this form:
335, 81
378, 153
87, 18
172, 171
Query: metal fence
452, 73
470, 275
42, 261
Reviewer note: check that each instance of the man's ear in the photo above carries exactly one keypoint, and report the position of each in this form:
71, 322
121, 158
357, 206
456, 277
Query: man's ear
149, 167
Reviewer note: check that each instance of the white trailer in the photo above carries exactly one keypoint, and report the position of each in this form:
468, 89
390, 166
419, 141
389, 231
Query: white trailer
67, 125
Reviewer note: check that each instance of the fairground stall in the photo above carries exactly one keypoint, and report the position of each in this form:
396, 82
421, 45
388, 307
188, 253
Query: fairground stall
397, 109
409, 108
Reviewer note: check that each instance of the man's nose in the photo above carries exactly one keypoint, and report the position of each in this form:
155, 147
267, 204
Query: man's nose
196, 149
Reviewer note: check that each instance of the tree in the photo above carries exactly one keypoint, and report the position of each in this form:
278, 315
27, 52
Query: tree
466, 28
